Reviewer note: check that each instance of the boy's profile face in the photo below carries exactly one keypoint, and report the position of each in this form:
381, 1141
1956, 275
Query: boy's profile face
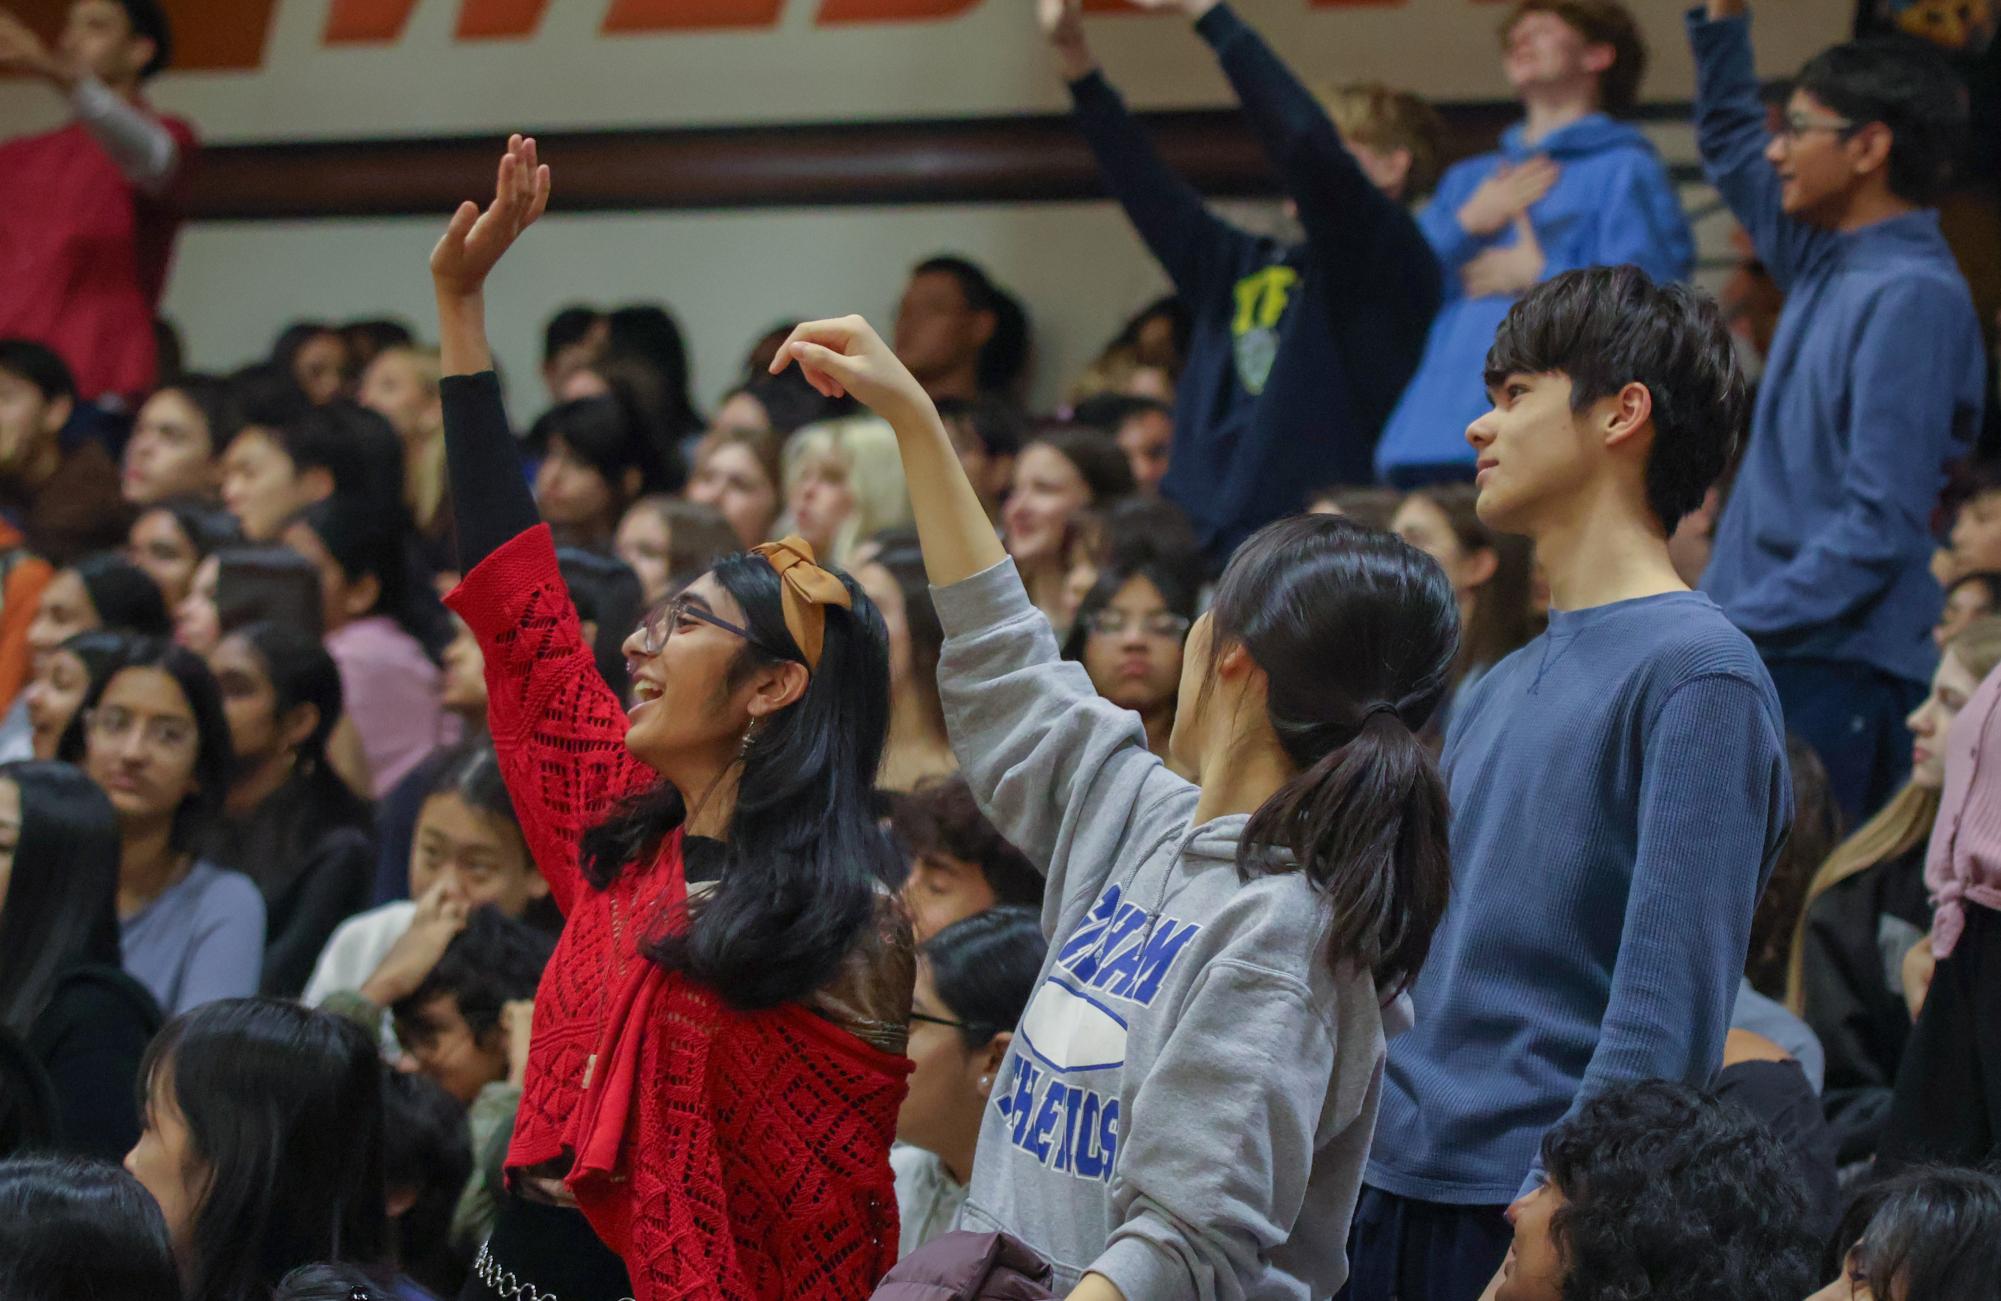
1531, 448
1818, 154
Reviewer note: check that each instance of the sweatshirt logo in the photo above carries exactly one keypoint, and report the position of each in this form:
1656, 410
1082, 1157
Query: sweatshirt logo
1262, 298
1060, 1096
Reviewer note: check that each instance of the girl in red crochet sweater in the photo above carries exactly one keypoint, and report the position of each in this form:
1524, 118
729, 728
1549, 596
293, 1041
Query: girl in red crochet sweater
716, 1060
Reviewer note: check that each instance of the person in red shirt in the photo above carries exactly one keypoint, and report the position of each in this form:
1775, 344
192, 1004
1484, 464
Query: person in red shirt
84, 258
716, 1059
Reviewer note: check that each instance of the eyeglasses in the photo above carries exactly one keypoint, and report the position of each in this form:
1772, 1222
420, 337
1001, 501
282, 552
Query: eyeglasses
950, 1024
657, 629
170, 736
1114, 623
1794, 125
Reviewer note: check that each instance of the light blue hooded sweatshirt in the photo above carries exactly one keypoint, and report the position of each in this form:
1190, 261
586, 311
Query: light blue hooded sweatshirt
1612, 203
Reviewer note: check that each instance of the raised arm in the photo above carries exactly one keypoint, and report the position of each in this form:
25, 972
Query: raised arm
142, 146
1192, 244
1730, 133
1340, 207
558, 729
1043, 752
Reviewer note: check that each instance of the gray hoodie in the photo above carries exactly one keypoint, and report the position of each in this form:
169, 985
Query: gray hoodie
1188, 1102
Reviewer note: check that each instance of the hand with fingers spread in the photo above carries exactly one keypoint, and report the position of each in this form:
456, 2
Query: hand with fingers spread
847, 356
1511, 191
475, 240
1515, 269
440, 916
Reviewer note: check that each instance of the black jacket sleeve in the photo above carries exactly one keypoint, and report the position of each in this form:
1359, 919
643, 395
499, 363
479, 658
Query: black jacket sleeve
333, 887
1197, 249
489, 491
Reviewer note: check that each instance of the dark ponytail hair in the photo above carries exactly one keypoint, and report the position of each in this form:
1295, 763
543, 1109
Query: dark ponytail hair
284, 1106
1357, 632
804, 855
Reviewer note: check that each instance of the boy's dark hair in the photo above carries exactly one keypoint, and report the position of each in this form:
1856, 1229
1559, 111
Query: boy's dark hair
1005, 355
984, 968
996, 422
1606, 327
492, 962
1908, 86
43, 367
941, 817
266, 395
570, 325
1600, 22
1670, 1193
1111, 411
427, 1156
149, 19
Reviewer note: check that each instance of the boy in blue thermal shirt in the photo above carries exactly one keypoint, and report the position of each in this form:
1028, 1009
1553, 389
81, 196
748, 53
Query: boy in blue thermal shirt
1873, 385
1569, 187
1618, 786
1298, 351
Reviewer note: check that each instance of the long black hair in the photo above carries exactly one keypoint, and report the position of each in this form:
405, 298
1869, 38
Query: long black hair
266, 581
60, 909
315, 799
427, 1158
805, 857
283, 1105
214, 755
74, 1230
1357, 632
124, 595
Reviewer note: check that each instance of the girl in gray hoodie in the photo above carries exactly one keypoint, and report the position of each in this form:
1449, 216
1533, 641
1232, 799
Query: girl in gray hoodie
1186, 1106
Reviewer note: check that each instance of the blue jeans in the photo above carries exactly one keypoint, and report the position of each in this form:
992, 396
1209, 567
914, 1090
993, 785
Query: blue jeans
1403, 1249
1853, 717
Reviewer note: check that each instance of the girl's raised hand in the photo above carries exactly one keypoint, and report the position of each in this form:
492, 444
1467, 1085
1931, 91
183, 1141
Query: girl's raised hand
475, 240
847, 356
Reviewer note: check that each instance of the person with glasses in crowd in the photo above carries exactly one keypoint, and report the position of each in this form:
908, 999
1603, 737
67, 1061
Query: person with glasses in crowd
155, 738
1128, 636
716, 1056
1875, 381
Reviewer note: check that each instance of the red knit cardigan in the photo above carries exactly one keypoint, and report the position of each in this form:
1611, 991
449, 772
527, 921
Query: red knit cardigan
721, 1154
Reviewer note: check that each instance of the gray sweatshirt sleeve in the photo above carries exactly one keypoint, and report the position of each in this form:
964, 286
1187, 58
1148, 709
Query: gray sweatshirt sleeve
1220, 1142
1048, 759
143, 149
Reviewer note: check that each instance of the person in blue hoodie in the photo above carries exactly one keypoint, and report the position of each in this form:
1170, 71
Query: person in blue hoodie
1298, 351
1874, 384
1569, 187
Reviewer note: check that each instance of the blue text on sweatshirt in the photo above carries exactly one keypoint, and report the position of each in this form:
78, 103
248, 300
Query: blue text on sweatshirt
1873, 385
1298, 352
1619, 794
1612, 204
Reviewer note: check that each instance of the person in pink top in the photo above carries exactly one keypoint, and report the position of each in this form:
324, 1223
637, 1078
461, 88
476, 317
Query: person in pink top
390, 687
1947, 1105
84, 259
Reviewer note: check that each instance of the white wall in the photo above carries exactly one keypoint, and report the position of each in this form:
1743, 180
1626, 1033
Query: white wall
728, 275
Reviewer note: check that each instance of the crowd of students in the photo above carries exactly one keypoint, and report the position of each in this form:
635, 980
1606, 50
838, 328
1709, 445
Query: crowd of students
1420, 779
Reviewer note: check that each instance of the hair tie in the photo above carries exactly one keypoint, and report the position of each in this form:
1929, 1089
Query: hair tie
807, 590
1380, 707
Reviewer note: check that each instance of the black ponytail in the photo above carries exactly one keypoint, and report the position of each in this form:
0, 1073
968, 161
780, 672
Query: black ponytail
1357, 633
